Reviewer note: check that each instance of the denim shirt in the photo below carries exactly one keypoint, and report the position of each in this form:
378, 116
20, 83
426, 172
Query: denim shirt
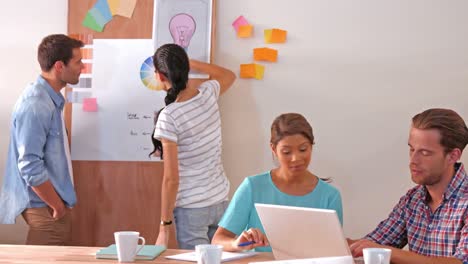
36, 152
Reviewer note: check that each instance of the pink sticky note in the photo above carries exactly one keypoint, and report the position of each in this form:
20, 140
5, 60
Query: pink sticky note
90, 104
240, 21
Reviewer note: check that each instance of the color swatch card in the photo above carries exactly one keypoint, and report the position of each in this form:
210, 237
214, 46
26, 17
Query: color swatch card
101, 13
126, 8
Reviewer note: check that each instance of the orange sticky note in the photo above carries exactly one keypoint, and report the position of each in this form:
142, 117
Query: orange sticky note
90, 104
265, 54
252, 70
245, 31
247, 70
275, 35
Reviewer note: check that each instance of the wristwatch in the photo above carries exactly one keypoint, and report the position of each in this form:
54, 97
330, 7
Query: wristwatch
166, 223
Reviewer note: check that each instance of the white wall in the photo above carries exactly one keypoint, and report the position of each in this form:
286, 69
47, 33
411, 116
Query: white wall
23, 24
358, 70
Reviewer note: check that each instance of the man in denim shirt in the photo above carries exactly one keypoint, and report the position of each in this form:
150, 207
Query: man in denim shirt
37, 181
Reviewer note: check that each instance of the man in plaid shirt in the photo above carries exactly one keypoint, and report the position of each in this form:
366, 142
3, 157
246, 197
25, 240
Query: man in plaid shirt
431, 217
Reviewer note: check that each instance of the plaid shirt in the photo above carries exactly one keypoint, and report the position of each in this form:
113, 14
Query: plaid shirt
442, 233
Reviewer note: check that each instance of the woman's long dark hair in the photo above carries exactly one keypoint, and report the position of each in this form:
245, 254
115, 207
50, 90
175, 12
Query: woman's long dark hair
172, 62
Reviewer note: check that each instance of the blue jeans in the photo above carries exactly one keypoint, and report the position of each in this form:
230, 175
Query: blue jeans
196, 226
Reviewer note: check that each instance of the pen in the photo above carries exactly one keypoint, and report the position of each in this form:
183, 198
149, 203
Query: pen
246, 243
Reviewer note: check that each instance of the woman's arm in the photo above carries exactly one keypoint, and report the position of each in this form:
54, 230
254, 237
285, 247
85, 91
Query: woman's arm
230, 242
224, 76
170, 186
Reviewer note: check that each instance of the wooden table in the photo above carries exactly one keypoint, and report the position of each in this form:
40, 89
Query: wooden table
62, 254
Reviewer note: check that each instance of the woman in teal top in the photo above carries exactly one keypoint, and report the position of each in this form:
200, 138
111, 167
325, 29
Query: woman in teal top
289, 184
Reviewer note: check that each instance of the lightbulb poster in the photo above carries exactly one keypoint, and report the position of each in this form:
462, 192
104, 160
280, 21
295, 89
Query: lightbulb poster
186, 23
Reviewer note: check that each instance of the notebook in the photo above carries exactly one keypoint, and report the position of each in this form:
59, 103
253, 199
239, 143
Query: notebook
148, 252
227, 256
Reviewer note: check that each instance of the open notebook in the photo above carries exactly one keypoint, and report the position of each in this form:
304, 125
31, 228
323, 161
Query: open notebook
227, 256
149, 252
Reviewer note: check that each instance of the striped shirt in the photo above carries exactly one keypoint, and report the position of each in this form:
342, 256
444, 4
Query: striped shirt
195, 126
442, 233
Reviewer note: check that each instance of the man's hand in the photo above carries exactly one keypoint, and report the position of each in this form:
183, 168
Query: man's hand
357, 246
58, 212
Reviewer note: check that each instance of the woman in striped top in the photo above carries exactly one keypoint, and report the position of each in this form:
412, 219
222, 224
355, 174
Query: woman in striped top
187, 136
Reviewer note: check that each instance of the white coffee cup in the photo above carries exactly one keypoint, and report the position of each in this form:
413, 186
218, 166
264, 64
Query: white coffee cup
208, 254
377, 255
127, 245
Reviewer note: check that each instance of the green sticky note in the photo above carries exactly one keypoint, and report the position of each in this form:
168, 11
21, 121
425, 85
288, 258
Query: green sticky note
91, 23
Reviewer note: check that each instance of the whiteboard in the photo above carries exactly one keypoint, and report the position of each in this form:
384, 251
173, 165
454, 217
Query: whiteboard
120, 129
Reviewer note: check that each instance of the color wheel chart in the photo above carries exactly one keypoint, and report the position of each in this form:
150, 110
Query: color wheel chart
148, 76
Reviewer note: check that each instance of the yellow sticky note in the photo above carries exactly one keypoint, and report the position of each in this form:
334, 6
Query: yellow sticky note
245, 31
259, 70
265, 54
126, 8
252, 70
113, 6
275, 35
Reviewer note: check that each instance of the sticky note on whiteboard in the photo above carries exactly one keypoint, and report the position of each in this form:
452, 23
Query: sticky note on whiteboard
252, 70
240, 21
275, 35
245, 31
90, 104
265, 54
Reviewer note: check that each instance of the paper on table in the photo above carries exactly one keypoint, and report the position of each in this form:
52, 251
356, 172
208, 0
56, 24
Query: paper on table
275, 35
240, 21
265, 54
126, 8
327, 260
227, 256
245, 31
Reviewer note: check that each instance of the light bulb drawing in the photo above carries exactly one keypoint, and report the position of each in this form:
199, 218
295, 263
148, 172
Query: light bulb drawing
182, 27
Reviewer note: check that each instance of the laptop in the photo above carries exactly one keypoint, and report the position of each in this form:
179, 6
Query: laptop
299, 233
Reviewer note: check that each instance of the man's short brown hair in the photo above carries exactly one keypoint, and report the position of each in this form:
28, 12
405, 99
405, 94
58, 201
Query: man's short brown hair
55, 48
452, 128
